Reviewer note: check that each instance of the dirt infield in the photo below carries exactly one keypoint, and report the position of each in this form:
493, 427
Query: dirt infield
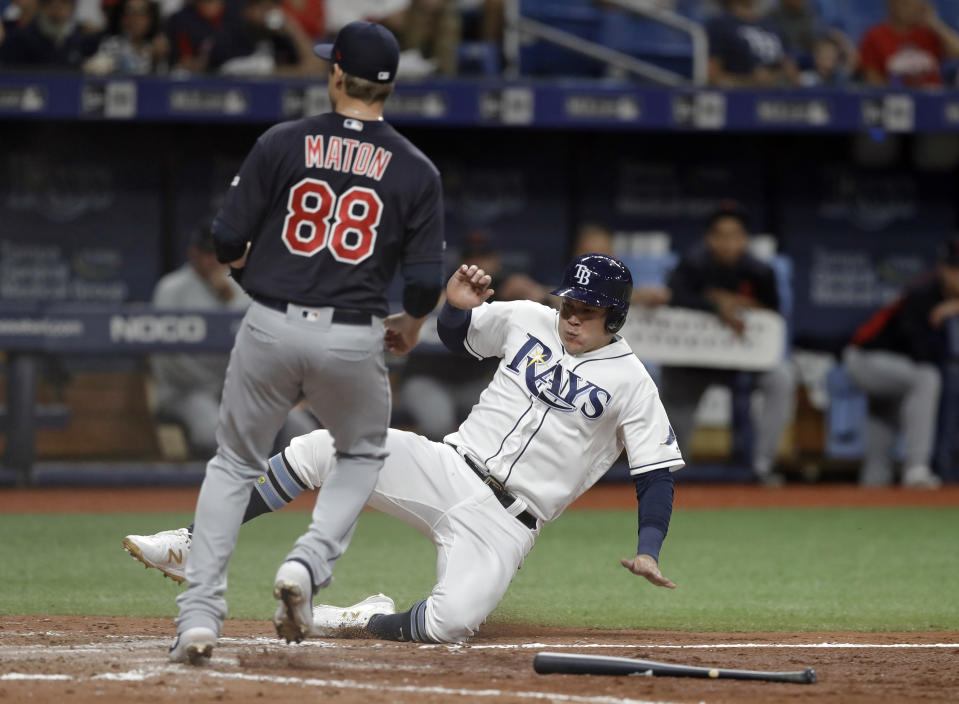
86, 659
118, 659
601, 496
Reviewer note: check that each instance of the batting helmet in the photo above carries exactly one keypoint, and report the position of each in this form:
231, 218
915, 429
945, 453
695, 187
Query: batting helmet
599, 280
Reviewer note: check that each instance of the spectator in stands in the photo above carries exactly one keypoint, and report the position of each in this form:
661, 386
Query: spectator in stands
433, 29
310, 15
438, 389
189, 385
746, 50
16, 13
133, 43
428, 30
53, 39
190, 31
720, 276
264, 42
908, 48
483, 19
389, 13
894, 358
593, 238
804, 29
828, 68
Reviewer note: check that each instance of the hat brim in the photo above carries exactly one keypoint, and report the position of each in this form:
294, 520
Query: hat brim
586, 296
324, 51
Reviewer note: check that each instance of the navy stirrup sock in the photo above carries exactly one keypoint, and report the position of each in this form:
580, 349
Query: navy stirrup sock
273, 490
407, 626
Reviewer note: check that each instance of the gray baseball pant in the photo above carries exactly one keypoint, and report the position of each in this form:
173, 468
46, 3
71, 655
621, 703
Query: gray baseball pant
903, 395
276, 358
681, 389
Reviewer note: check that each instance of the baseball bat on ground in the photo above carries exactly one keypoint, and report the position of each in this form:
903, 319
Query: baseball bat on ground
574, 664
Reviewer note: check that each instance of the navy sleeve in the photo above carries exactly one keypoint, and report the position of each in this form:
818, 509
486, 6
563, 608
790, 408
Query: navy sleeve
228, 243
248, 199
654, 494
923, 343
424, 227
423, 283
452, 326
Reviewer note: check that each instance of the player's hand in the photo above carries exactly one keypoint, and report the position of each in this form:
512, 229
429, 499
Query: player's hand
730, 312
468, 287
645, 566
241, 262
942, 311
402, 332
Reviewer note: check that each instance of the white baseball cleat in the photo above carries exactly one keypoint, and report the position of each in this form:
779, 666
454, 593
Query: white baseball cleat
293, 587
194, 645
920, 477
328, 620
166, 551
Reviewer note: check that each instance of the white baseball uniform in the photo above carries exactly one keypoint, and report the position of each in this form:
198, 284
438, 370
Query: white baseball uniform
548, 426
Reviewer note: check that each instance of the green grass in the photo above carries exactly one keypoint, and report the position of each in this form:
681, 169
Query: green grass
803, 569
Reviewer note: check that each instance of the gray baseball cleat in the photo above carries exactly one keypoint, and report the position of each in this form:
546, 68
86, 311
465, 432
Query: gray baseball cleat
166, 550
293, 587
329, 620
194, 645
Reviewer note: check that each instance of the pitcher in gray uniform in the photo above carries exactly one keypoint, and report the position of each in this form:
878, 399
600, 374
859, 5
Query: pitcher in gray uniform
314, 226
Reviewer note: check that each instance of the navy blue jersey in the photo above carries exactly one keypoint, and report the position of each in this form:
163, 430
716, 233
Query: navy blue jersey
903, 326
332, 205
698, 272
743, 46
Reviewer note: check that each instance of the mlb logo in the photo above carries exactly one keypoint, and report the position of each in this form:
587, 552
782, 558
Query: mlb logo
383, 76
311, 315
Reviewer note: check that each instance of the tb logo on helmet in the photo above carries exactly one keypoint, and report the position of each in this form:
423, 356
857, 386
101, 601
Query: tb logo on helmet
599, 280
582, 274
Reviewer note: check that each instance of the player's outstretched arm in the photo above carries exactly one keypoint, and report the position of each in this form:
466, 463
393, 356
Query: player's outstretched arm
402, 332
468, 287
645, 566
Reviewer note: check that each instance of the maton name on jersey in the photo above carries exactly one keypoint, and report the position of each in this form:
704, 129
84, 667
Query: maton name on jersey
346, 155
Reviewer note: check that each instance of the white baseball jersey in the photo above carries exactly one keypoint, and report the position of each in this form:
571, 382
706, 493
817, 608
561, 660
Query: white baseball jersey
550, 424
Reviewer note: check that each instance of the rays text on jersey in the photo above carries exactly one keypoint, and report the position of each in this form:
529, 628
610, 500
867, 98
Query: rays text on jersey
557, 387
346, 155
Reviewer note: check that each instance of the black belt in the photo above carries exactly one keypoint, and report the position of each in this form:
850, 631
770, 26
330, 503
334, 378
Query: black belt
343, 316
503, 496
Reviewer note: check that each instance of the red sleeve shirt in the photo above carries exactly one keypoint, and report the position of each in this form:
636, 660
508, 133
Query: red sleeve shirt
911, 58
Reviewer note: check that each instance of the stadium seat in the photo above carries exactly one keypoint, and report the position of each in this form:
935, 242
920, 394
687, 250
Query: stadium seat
650, 270
856, 16
845, 416
618, 29
648, 40
581, 19
479, 59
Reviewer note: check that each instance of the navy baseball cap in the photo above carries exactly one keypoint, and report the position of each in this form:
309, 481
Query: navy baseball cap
365, 50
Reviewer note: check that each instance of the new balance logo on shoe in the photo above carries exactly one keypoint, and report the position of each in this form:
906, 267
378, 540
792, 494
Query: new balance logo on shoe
176, 557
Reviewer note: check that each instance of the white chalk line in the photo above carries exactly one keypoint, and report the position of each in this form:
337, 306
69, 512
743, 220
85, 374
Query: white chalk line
703, 646
150, 642
126, 644
147, 673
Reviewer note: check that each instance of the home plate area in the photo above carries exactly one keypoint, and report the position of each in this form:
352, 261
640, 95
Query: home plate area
85, 659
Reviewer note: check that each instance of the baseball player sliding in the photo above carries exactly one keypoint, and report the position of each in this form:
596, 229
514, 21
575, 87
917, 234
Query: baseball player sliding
568, 396
314, 224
